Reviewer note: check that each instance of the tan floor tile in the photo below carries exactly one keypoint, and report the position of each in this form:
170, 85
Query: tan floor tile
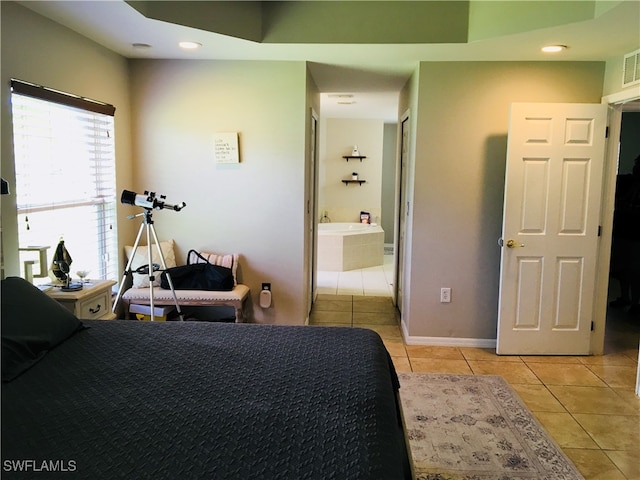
603, 400
387, 332
631, 399
427, 351
374, 304
538, 398
593, 464
473, 353
401, 364
611, 432
389, 310
318, 317
382, 300
374, 318
555, 359
329, 324
395, 348
566, 375
623, 377
565, 430
331, 297
627, 462
631, 353
350, 292
619, 359
511, 371
333, 306
440, 365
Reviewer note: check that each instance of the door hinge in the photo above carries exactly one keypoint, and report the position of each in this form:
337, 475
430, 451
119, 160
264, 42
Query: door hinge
599, 230
593, 327
606, 132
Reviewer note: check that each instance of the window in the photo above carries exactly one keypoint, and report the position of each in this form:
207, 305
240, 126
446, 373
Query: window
65, 178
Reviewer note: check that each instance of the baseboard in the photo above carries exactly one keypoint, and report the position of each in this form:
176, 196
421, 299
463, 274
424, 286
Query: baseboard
447, 341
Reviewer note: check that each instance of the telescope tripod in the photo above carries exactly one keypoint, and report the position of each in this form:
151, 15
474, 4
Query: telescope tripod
150, 268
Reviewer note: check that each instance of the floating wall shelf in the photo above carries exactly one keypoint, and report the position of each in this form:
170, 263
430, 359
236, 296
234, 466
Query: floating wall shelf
347, 182
351, 157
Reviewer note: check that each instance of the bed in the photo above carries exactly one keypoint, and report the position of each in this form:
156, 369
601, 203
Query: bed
129, 399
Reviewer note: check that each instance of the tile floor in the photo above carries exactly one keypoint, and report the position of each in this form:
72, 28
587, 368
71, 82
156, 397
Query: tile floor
366, 281
587, 404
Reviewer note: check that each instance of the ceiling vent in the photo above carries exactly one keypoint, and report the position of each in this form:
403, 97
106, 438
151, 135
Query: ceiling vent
631, 69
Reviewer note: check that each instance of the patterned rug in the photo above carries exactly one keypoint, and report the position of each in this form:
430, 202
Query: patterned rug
475, 427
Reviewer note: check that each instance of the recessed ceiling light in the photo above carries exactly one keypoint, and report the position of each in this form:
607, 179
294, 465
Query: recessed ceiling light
554, 48
190, 45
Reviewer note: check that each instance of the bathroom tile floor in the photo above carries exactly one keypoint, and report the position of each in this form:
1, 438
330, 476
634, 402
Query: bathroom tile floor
587, 404
372, 281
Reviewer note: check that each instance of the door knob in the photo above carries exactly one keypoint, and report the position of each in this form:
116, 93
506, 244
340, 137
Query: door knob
513, 244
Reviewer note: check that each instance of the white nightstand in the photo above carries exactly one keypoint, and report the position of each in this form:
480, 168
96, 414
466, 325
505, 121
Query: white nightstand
93, 302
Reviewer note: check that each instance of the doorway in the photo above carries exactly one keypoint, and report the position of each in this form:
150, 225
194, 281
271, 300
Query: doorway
618, 105
622, 331
343, 201
605, 336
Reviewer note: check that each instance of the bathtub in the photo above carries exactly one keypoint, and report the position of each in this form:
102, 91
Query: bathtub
349, 246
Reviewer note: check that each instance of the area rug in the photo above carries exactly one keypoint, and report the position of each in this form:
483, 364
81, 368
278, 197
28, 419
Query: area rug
475, 427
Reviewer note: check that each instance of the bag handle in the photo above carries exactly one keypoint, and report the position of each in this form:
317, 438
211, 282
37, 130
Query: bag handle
198, 254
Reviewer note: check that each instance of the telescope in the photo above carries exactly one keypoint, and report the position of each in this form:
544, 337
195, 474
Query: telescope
149, 201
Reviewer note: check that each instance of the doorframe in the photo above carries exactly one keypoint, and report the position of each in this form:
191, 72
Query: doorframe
616, 105
312, 209
400, 237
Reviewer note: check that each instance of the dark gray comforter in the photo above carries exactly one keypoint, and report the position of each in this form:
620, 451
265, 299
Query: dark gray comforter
127, 399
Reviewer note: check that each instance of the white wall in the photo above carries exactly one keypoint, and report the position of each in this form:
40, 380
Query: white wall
460, 135
338, 137
37, 50
255, 208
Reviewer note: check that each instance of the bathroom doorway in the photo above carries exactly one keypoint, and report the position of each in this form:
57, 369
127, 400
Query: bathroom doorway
343, 200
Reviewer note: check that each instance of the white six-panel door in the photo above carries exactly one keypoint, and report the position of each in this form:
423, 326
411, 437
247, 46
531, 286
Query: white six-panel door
555, 161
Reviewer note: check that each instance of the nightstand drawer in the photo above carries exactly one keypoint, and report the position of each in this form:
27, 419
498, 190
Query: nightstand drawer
95, 307
93, 301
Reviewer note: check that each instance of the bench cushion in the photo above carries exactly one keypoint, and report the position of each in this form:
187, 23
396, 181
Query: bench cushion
186, 297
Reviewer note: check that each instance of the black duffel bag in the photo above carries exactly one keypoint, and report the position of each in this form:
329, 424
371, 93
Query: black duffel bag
198, 276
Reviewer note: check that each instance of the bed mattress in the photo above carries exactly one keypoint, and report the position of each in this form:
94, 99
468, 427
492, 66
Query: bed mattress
128, 399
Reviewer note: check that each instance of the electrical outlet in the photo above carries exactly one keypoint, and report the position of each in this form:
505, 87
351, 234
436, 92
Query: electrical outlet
445, 295
266, 286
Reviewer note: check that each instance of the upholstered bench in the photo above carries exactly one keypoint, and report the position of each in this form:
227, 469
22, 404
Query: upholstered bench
139, 293
201, 298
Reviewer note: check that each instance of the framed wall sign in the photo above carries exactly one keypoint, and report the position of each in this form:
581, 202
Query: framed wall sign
226, 147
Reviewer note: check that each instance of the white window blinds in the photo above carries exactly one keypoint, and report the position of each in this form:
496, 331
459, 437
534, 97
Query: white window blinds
65, 177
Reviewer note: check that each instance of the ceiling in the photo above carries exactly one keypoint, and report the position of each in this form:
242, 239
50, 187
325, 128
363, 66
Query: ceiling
373, 73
